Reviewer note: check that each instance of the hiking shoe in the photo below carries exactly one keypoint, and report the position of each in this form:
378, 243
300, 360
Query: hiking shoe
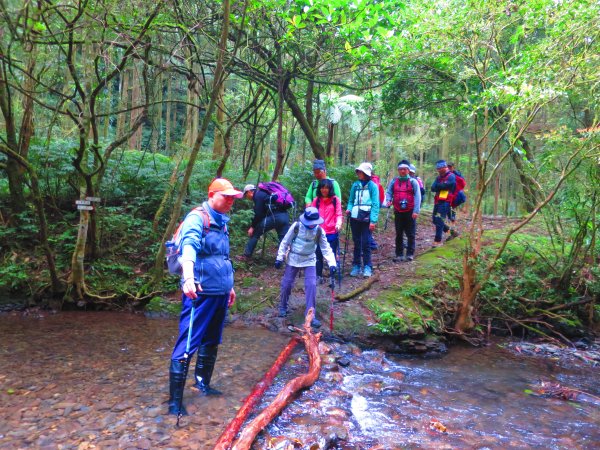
436, 244
244, 258
283, 312
368, 272
410, 258
315, 323
398, 258
355, 271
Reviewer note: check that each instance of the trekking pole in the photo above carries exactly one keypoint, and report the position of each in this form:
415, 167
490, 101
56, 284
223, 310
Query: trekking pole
338, 264
387, 216
332, 285
346, 243
186, 356
264, 230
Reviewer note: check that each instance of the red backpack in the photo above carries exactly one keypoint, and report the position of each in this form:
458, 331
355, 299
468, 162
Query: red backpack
460, 182
173, 253
459, 194
403, 195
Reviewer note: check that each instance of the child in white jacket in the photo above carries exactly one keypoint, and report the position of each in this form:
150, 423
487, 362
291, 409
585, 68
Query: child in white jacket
298, 249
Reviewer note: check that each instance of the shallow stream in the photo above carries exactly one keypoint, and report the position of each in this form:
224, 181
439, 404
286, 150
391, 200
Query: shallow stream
99, 380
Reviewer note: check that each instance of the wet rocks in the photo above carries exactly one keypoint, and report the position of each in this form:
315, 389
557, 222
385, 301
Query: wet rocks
586, 352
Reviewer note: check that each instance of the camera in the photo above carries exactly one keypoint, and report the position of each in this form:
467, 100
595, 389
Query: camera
403, 204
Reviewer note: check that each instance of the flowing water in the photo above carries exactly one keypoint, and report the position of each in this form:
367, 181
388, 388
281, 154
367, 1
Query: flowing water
99, 380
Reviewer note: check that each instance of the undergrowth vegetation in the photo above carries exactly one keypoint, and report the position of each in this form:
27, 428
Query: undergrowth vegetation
522, 296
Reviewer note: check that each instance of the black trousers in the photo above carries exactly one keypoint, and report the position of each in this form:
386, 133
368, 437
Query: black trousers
405, 226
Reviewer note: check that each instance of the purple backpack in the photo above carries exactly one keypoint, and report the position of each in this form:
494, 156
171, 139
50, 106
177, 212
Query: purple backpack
280, 196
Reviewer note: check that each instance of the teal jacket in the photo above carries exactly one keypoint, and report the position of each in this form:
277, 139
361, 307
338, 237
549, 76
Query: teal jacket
364, 198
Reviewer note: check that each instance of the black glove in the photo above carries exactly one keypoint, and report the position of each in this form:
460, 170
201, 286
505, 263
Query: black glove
278, 264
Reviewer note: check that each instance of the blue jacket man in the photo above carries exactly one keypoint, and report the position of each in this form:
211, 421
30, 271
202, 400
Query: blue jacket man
207, 285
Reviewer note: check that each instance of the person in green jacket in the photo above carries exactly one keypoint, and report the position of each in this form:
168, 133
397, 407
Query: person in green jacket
320, 173
363, 209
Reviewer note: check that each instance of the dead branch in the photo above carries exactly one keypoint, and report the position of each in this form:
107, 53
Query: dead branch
570, 304
358, 290
227, 437
311, 342
256, 305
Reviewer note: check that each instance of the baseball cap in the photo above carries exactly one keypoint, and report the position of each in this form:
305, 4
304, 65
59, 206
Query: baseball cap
224, 187
318, 164
249, 187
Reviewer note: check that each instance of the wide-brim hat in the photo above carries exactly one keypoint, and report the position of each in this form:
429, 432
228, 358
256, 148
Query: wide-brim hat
249, 187
224, 187
311, 217
365, 168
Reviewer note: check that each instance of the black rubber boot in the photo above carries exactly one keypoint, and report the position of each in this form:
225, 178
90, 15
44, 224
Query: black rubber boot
177, 375
205, 363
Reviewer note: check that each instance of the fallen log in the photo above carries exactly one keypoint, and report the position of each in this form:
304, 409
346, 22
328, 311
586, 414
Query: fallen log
311, 342
227, 437
363, 287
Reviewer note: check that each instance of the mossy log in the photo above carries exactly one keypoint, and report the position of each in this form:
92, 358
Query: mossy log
363, 287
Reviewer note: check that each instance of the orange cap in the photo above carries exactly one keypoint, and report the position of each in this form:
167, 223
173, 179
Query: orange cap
224, 187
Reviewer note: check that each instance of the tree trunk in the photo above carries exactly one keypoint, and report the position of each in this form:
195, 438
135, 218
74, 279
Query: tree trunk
309, 132
77, 280
464, 321
280, 147
530, 188
17, 141
168, 118
38, 201
124, 102
220, 116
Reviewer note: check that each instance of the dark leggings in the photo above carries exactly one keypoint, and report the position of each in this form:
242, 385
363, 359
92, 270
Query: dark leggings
334, 242
360, 237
